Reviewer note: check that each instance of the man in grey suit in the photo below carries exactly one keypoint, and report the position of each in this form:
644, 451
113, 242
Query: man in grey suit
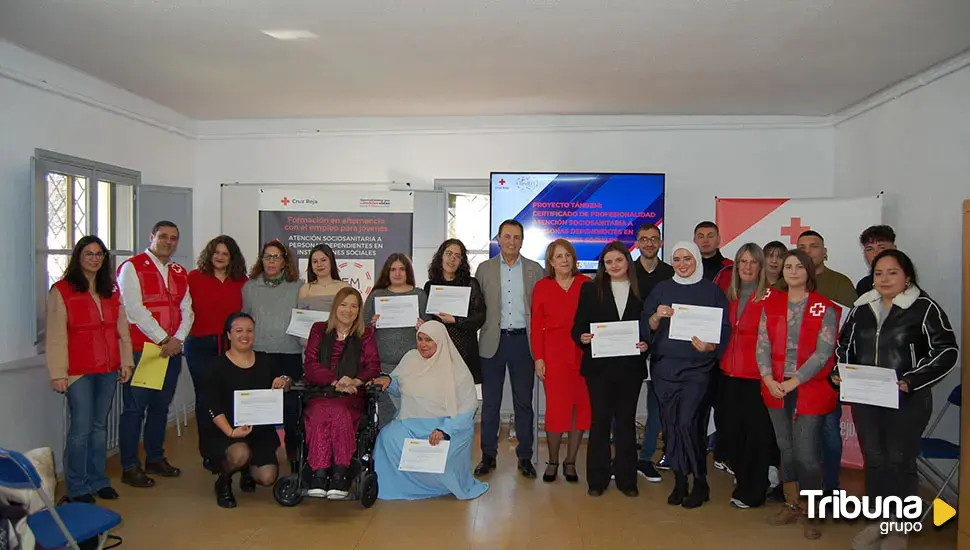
507, 281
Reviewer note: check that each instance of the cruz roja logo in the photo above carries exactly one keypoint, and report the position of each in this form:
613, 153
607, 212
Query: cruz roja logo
896, 515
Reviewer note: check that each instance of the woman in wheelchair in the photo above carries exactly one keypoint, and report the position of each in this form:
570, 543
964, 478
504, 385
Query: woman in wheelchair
341, 355
247, 449
438, 403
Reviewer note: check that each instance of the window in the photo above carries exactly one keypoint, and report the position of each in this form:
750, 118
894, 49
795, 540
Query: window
468, 220
73, 198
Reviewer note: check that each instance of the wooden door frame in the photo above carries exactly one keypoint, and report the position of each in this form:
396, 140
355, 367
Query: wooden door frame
963, 538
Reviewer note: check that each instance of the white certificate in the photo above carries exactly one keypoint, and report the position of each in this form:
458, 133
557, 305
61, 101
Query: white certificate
301, 321
617, 339
869, 386
258, 407
700, 321
452, 300
396, 311
419, 456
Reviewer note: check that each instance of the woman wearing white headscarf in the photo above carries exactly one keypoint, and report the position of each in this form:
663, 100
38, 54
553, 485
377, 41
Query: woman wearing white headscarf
682, 370
438, 403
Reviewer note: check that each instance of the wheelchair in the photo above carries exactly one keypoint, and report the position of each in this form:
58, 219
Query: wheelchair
290, 490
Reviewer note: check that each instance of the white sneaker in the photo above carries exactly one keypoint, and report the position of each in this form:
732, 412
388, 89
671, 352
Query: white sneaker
722, 466
336, 494
738, 504
773, 478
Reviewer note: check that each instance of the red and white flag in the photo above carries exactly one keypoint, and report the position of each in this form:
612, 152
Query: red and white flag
839, 221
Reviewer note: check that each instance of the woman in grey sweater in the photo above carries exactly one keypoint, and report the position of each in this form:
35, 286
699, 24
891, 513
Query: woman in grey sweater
270, 296
396, 279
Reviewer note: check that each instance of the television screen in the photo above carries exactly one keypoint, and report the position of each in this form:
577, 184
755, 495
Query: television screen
588, 210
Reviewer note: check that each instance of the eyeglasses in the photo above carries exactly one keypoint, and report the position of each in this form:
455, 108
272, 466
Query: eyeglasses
450, 254
272, 257
98, 255
651, 240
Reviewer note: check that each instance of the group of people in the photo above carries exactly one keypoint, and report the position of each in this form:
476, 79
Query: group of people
771, 378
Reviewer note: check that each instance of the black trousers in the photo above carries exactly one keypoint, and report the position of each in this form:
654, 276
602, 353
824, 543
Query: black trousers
745, 436
613, 403
890, 441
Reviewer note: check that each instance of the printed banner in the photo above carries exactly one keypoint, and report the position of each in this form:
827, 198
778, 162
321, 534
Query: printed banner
363, 228
839, 221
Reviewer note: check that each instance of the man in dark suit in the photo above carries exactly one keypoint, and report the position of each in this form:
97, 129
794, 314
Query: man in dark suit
507, 281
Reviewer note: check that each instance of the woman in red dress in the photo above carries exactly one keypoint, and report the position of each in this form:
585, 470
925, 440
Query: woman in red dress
558, 358
341, 356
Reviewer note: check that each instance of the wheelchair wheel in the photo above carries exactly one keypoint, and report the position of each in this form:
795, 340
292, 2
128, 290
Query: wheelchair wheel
368, 489
287, 491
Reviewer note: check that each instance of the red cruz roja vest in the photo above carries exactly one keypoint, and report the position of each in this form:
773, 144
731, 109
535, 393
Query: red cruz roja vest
815, 396
740, 358
92, 336
163, 302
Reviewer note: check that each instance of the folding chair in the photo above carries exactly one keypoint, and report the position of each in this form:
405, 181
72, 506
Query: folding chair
940, 449
61, 526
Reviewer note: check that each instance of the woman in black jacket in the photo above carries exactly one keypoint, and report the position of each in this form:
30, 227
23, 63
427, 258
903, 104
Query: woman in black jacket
613, 382
450, 267
895, 326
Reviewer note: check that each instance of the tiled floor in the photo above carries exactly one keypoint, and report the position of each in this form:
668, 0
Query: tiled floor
515, 513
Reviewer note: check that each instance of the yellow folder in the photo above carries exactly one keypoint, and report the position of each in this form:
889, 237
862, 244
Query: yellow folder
151, 368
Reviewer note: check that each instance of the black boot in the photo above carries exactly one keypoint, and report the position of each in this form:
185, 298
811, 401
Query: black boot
676, 497
339, 484
246, 482
700, 494
224, 496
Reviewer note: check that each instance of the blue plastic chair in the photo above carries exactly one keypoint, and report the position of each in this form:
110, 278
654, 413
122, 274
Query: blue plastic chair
934, 448
61, 526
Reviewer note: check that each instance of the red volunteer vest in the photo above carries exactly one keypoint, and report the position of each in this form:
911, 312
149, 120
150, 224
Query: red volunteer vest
740, 357
92, 336
815, 396
163, 302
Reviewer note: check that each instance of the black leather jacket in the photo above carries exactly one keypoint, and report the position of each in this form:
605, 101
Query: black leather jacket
916, 338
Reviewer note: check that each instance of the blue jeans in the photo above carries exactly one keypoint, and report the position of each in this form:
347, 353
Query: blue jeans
89, 400
199, 354
150, 407
652, 430
513, 350
831, 448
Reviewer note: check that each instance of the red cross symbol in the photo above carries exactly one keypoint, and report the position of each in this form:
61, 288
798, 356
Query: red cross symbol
285, 201
501, 181
794, 229
817, 309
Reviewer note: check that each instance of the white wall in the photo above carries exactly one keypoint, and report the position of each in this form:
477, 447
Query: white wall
699, 157
47, 105
917, 149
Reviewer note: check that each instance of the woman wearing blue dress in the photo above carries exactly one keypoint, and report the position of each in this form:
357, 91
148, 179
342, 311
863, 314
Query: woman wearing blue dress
438, 403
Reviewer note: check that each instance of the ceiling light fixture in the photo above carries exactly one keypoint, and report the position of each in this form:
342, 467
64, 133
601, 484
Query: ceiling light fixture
291, 35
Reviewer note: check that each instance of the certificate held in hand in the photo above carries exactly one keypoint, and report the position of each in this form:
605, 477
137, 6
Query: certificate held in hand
866, 385
616, 339
257, 407
689, 321
418, 455
301, 321
396, 311
452, 300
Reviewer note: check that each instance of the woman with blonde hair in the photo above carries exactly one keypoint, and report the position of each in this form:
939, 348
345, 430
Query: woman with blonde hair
558, 359
745, 435
341, 355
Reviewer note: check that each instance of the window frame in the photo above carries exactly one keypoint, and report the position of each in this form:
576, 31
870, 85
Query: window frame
95, 173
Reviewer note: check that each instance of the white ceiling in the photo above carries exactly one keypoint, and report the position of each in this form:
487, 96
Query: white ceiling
208, 59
